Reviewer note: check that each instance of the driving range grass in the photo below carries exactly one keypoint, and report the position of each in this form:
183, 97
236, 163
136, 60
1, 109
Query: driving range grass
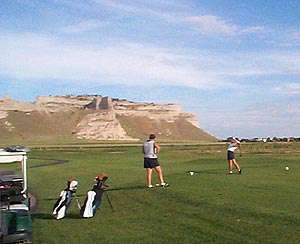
261, 205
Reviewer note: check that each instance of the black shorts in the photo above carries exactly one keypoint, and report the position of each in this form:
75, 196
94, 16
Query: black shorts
230, 155
150, 163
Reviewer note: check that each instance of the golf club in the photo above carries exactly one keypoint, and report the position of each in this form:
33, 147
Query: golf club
108, 199
78, 203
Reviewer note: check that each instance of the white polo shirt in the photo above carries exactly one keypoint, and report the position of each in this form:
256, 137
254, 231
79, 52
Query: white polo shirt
231, 147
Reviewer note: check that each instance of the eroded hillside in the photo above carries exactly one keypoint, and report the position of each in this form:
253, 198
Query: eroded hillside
96, 118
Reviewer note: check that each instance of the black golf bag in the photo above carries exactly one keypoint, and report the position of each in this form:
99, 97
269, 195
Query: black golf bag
94, 197
63, 202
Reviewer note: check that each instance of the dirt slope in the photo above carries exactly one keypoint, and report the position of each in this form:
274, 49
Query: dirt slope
96, 118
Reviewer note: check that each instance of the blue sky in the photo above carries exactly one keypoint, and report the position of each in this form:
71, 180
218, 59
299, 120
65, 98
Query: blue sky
236, 64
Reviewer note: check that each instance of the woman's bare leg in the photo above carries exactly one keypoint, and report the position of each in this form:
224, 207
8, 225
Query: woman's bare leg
159, 174
149, 176
230, 166
236, 165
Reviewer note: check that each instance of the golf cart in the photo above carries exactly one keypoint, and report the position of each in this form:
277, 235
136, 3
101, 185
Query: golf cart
15, 220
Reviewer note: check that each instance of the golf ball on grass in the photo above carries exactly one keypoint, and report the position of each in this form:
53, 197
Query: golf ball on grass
287, 168
192, 172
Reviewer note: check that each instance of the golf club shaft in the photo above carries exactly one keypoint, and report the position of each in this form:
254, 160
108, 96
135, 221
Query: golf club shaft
78, 203
111, 206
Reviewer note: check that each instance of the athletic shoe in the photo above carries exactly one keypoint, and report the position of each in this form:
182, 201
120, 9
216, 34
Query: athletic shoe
164, 184
150, 186
240, 171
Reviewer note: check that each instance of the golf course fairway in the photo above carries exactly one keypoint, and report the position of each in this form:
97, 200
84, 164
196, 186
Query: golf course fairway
210, 206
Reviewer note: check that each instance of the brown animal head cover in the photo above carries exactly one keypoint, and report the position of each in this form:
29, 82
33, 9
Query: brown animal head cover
101, 177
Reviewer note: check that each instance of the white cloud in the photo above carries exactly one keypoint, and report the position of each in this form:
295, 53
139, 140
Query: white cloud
292, 88
215, 25
31, 56
253, 29
294, 36
179, 14
287, 62
172, 12
83, 26
284, 39
267, 118
143, 9
35, 56
210, 24
269, 62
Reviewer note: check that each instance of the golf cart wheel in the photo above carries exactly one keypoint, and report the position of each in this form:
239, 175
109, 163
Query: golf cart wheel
18, 238
24, 242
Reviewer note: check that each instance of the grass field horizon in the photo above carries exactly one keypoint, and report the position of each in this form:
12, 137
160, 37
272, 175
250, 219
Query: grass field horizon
261, 205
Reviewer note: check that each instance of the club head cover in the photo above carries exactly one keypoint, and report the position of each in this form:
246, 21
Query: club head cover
72, 184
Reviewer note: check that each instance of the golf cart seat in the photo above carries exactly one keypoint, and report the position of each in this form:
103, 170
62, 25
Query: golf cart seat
19, 207
10, 177
11, 189
6, 172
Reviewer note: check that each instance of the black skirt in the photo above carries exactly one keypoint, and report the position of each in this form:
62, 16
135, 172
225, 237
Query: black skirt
230, 155
150, 163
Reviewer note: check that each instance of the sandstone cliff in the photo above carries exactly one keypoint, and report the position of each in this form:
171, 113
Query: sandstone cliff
94, 117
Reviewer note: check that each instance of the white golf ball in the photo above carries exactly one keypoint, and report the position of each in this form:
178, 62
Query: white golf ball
192, 172
287, 168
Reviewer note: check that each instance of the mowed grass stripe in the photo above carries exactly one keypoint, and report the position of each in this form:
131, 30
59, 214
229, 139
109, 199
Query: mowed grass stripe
261, 205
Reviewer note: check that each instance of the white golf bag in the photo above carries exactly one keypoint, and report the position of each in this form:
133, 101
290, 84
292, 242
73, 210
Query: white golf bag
65, 198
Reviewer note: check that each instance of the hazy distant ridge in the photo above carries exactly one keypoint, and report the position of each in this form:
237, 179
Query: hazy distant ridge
96, 118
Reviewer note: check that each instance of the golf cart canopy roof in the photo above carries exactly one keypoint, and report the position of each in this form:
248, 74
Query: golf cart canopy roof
9, 157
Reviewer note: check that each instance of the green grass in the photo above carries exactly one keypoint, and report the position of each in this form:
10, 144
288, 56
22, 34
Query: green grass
261, 205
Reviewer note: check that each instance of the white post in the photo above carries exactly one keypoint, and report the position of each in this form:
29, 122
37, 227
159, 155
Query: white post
24, 169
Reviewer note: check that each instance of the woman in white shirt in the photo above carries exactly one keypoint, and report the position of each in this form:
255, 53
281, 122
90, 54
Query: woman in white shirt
232, 146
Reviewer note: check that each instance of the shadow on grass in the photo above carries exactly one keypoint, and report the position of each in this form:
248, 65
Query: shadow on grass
206, 172
51, 199
126, 188
47, 216
51, 161
41, 216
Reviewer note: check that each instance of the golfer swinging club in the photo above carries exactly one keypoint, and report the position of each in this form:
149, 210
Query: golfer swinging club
232, 146
150, 150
